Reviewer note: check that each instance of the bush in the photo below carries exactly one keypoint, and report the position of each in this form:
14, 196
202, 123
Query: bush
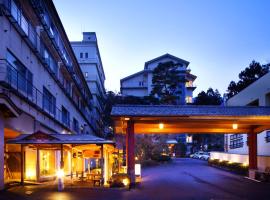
161, 157
116, 180
235, 167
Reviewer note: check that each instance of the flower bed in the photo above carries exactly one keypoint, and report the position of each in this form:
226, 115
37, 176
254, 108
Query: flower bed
238, 168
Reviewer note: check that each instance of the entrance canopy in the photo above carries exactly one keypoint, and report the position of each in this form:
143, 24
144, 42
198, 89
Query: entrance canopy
44, 138
169, 119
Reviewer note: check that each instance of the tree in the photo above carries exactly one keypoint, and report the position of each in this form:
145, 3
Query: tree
210, 97
166, 80
246, 77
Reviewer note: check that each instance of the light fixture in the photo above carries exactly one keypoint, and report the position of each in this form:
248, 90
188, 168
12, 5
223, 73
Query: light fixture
161, 125
60, 173
235, 126
127, 118
125, 181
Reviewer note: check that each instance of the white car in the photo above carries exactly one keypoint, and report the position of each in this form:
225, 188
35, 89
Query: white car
205, 156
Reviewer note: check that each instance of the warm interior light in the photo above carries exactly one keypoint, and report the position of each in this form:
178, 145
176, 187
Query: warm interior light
60, 173
30, 174
138, 169
126, 118
125, 181
161, 125
245, 164
235, 126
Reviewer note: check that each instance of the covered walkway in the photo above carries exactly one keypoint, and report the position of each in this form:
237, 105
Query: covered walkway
171, 119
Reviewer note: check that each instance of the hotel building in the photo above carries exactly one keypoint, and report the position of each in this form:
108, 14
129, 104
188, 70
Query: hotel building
140, 83
88, 56
46, 106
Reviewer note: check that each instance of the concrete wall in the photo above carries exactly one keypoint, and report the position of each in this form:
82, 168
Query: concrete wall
263, 161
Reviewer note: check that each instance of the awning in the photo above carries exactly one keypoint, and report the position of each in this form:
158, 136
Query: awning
40, 137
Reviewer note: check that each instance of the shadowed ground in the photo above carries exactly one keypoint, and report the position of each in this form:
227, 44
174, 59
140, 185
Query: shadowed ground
181, 179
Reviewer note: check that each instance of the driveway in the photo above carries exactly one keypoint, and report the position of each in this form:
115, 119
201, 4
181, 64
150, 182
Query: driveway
181, 179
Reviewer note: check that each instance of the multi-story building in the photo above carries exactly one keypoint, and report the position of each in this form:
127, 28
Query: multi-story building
236, 145
140, 83
42, 89
88, 56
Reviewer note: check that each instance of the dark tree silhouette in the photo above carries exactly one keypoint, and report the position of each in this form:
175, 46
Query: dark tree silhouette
166, 80
210, 97
246, 77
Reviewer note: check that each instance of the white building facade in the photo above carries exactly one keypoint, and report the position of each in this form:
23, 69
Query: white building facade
140, 83
236, 145
88, 56
42, 87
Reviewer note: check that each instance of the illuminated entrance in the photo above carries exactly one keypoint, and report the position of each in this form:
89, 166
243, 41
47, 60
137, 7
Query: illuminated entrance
170, 119
41, 156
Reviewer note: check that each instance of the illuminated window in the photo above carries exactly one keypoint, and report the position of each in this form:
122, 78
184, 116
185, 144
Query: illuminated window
188, 99
47, 162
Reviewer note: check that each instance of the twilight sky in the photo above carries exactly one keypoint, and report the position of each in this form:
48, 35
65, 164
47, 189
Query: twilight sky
218, 38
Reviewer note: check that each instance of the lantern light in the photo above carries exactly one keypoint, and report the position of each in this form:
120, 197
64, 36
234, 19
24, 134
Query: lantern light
161, 125
235, 126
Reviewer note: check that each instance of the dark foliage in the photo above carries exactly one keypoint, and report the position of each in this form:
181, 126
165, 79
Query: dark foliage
166, 80
210, 97
246, 77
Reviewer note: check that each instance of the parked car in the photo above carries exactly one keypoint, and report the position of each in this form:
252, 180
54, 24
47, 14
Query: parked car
205, 156
197, 154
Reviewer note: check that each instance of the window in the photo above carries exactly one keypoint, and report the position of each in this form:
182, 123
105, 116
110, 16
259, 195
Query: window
50, 62
236, 141
19, 76
141, 83
188, 99
65, 116
49, 101
81, 55
75, 125
86, 55
267, 138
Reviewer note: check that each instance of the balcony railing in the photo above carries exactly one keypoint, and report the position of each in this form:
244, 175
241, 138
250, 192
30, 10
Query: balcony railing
21, 86
33, 39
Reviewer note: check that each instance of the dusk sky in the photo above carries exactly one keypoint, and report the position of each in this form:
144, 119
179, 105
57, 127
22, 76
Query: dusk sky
218, 38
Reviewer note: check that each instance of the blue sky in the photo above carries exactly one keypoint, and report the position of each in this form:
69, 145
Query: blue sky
218, 38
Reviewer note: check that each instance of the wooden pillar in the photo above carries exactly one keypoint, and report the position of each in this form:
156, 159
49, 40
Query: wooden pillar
62, 158
38, 165
2, 159
22, 164
71, 163
130, 145
252, 153
102, 163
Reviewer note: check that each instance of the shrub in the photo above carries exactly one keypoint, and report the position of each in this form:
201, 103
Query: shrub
116, 180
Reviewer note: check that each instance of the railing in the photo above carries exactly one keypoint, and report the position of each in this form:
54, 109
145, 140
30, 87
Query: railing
37, 44
18, 83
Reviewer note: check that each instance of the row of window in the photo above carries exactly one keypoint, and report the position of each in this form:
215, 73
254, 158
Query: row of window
22, 79
29, 30
236, 141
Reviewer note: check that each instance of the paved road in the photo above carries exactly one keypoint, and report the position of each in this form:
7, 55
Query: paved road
181, 179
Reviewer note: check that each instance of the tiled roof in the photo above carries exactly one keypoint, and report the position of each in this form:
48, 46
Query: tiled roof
44, 138
188, 110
